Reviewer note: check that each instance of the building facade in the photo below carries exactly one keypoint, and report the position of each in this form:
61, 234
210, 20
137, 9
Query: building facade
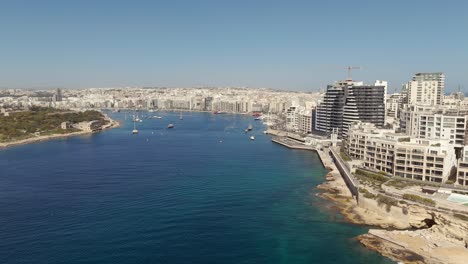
401, 155
436, 123
462, 170
426, 88
347, 102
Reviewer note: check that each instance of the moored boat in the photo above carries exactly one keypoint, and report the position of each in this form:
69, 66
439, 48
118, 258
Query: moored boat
134, 131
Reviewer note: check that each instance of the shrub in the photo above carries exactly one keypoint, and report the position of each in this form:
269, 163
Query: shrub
366, 193
363, 190
388, 201
344, 156
419, 199
373, 176
399, 184
404, 210
369, 195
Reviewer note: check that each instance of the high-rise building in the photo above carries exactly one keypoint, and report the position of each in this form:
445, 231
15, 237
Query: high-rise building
59, 95
426, 89
329, 112
208, 103
347, 102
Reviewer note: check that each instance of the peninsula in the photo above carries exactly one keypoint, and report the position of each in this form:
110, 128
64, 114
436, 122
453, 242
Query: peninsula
44, 123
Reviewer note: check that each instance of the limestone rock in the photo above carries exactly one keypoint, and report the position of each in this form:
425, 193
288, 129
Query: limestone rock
419, 217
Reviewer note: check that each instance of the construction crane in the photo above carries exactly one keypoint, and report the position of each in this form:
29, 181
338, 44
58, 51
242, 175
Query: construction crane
350, 68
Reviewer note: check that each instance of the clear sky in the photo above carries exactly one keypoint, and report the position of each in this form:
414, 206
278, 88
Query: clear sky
295, 45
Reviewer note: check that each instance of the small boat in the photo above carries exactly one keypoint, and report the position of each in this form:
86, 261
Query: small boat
134, 131
252, 138
257, 118
249, 128
170, 126
157, 117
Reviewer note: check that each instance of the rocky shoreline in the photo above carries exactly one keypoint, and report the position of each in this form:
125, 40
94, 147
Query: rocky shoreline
422, 236
112, 124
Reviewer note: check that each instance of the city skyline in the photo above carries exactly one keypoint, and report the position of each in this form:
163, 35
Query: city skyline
301, 46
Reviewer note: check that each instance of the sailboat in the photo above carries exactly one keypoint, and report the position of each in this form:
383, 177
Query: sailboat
134, 131
136, 118
181, 116
249, 128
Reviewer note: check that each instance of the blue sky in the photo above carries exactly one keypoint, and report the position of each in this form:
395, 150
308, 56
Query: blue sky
295, 45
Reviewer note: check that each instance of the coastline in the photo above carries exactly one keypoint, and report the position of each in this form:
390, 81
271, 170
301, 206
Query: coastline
112, 124
406, 240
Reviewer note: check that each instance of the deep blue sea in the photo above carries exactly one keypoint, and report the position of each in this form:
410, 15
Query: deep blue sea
199, 193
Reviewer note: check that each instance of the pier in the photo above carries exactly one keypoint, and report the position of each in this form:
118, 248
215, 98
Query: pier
292, 144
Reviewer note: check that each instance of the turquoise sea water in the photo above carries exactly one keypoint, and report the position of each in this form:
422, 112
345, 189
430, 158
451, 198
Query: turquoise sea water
199, 193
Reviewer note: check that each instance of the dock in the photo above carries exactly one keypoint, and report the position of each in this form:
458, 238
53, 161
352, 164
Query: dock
289, 143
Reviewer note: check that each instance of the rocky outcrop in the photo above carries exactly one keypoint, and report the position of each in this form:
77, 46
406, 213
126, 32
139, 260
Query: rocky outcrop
451, 228
425, 235
390, 250
420, 217
435, 237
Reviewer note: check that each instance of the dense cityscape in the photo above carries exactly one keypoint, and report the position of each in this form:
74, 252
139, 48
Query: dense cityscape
373, 125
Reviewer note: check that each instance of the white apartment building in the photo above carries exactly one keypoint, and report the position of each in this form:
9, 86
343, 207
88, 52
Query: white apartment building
299, 119
426, 89
305, 121
462, 171
364, 140
393, 103
401, 155
291, 119
435, 123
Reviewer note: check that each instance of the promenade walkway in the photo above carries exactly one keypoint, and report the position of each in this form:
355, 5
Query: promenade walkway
344, 169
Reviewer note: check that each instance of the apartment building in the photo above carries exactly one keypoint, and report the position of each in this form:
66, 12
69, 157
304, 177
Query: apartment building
435, 123
305, 121
401, 155
291, 119
347, 102
369, 144
329, 111
426, 88
299, 119
394, 103
462, 170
